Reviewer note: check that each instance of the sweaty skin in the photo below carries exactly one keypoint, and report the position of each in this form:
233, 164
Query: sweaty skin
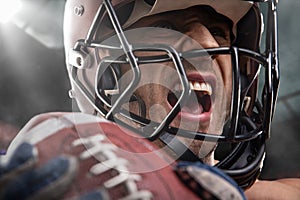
282, 189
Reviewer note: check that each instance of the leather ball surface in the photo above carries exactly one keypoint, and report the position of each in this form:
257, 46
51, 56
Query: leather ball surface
105, 160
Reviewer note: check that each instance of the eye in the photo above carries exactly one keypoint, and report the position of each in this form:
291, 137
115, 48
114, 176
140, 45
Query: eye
218, 32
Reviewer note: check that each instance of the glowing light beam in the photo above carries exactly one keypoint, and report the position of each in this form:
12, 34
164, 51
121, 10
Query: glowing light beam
8, 9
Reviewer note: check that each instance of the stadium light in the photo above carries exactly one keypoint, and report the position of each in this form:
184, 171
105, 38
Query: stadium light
8, 9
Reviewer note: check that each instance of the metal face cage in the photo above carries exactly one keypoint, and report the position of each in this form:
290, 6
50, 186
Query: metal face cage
267, 60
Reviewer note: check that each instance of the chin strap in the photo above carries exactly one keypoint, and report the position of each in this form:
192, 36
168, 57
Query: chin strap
179, 148
243, 165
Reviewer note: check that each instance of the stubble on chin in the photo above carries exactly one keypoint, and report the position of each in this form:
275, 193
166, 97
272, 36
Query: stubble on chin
196, 146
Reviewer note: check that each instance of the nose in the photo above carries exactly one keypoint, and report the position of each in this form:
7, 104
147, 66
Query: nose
200, 33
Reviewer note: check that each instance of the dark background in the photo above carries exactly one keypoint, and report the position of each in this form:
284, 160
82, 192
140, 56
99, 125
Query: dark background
33, 78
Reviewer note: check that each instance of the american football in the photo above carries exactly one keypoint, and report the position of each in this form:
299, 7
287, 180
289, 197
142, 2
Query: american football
88, 157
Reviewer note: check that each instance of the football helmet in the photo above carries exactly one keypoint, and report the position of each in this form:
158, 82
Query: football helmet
109, 60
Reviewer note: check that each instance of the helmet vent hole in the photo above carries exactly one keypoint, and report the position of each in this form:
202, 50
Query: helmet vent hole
79, 61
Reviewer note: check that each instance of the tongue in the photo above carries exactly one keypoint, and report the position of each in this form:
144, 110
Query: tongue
192, 107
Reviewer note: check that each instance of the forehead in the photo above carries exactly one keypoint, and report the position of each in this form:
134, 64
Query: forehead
204, 14
179, 18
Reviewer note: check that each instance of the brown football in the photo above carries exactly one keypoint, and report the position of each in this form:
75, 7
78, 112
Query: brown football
105, 157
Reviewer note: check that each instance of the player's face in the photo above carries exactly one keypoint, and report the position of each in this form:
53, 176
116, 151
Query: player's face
209, 77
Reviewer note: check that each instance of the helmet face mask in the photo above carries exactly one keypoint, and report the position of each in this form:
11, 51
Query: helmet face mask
150, 79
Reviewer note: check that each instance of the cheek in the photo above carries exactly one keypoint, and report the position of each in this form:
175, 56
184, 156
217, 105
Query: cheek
151, 90
153, 86
161, 74
224, 86
225, 67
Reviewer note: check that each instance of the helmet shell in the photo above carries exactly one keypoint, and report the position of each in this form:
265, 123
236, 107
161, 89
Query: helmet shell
79, 16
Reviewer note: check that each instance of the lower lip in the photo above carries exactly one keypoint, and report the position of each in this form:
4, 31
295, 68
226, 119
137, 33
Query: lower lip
202, 118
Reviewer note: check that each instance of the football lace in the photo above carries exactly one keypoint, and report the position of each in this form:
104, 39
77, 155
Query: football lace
105, 153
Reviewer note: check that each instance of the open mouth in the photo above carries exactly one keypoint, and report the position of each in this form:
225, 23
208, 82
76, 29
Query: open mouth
198, 106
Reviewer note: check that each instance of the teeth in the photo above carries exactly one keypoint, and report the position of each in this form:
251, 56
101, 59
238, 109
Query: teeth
194, 85
201, 87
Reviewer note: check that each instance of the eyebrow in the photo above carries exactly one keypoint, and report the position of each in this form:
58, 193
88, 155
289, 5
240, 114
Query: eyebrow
207, 13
